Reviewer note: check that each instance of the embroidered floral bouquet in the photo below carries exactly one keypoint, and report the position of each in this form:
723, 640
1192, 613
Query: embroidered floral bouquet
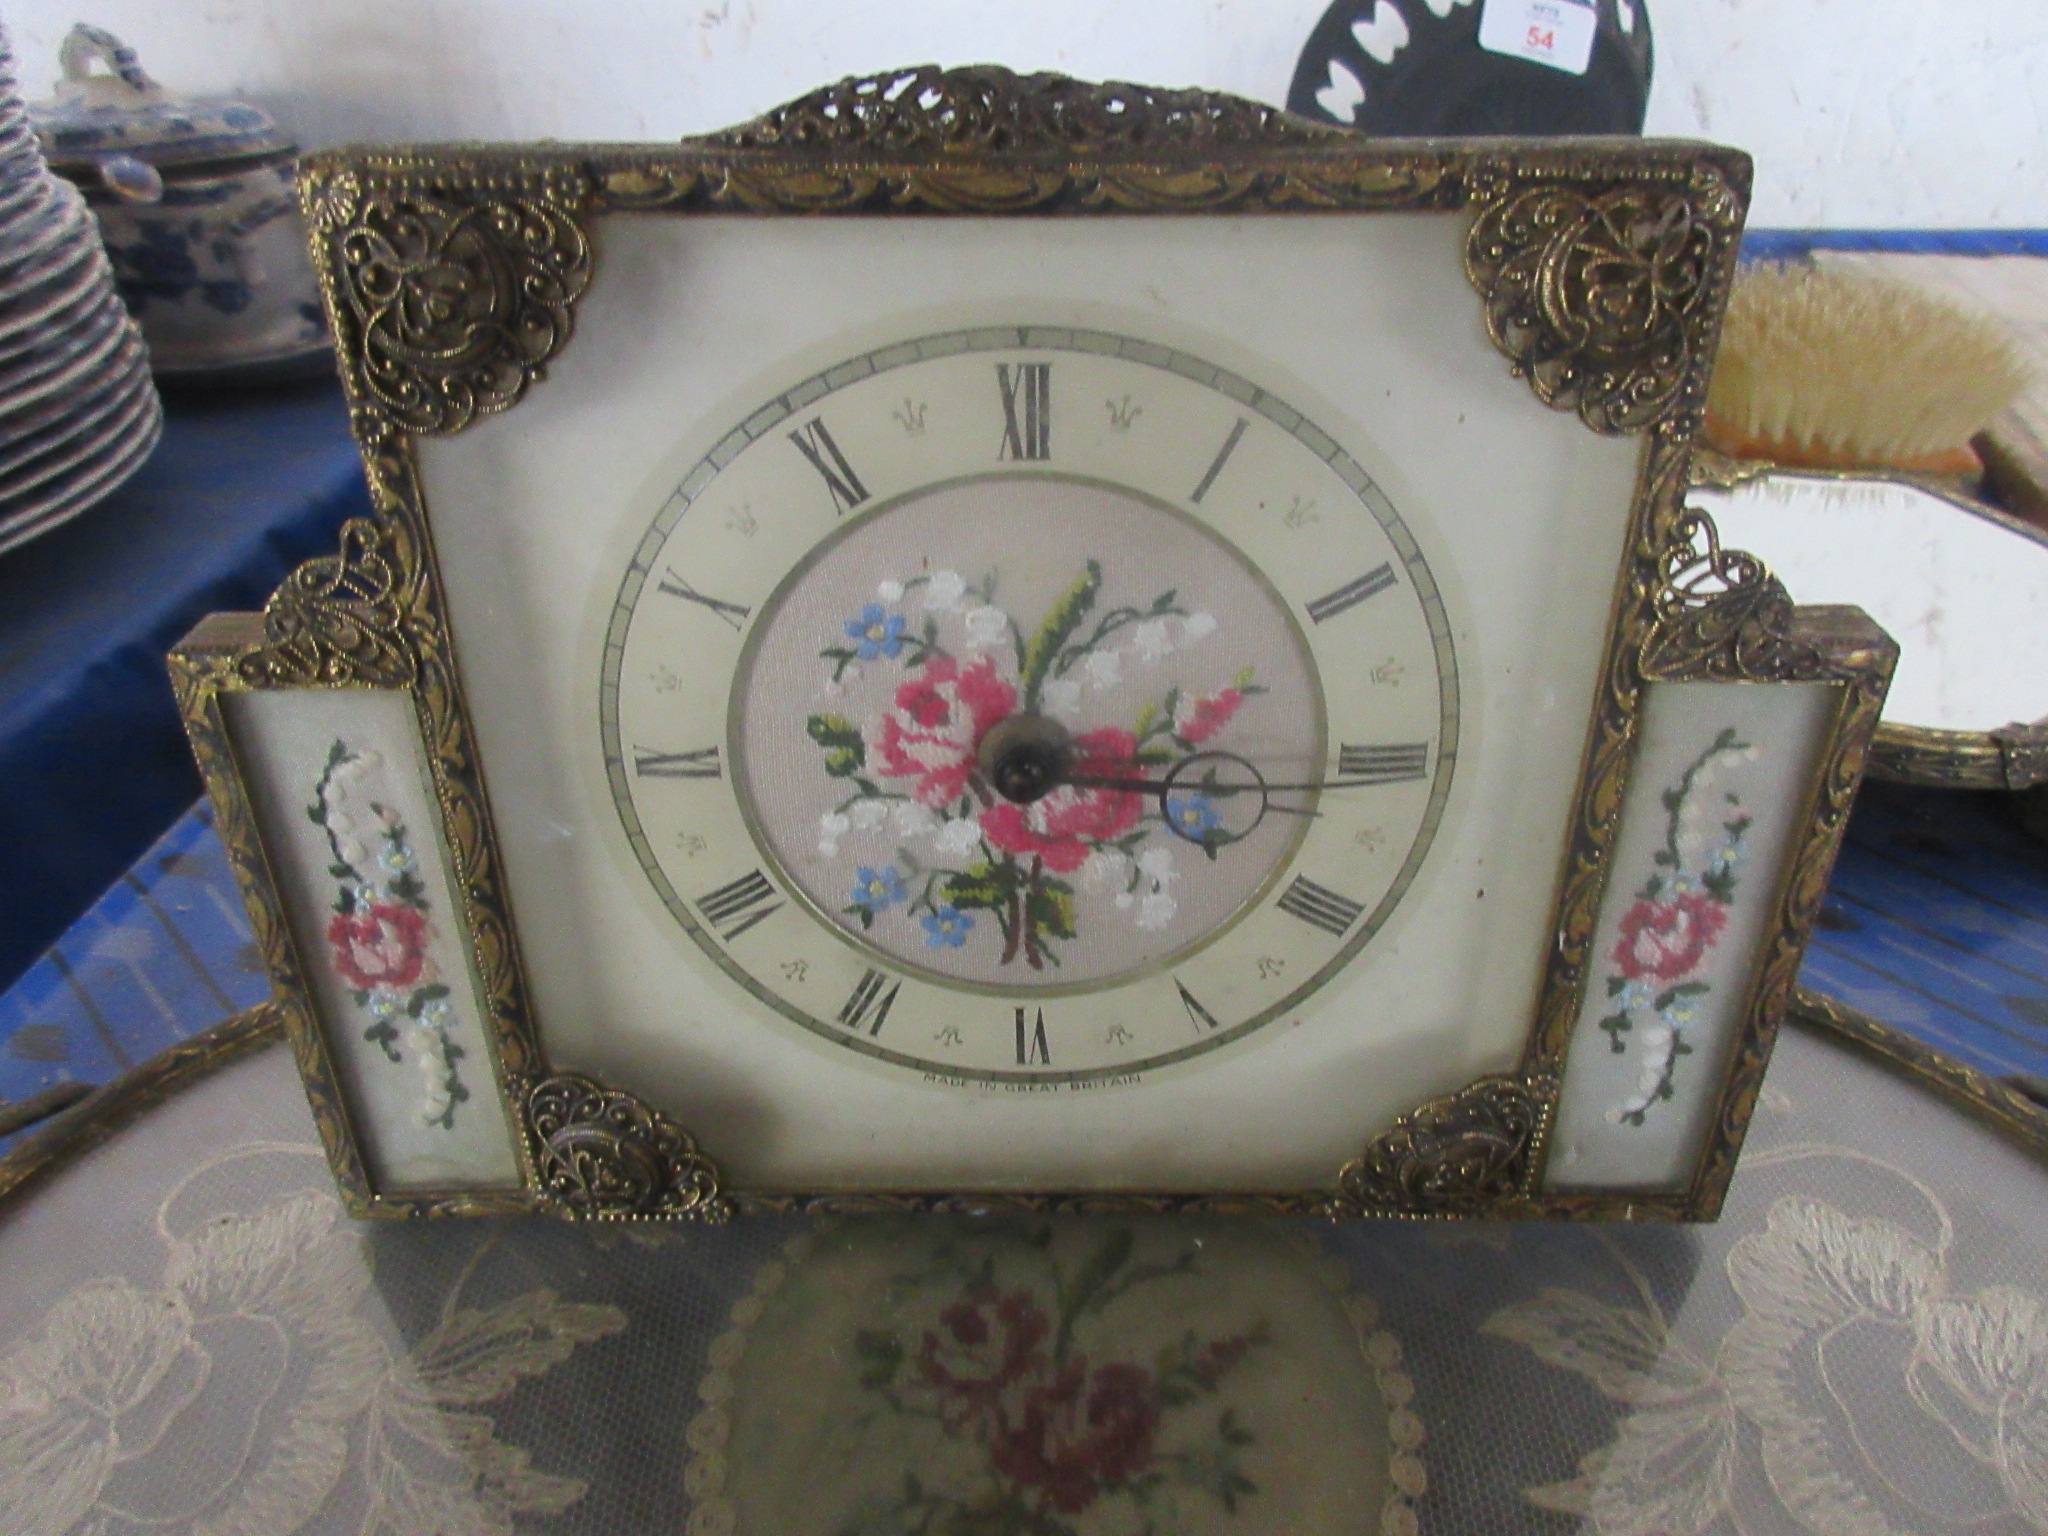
933, 844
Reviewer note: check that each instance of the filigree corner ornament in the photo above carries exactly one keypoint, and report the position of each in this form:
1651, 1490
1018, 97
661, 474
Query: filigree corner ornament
1604, 298
339, 619
451, 288
1467, 1153
985, 109
602, 1154
1721, 614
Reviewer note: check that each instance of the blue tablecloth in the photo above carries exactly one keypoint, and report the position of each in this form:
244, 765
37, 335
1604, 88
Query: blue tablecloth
93, 764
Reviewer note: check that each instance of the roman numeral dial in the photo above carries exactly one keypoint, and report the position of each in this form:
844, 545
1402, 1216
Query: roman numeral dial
702, 764
745, 903
868, 1006
1026, 390
1351, 594
816, 444
1319, 906
1383, 765
1019, 706
734, 614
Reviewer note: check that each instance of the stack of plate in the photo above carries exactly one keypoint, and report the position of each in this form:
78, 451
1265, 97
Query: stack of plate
78, 413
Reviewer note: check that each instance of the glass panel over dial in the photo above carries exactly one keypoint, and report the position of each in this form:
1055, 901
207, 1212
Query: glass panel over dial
1028, 703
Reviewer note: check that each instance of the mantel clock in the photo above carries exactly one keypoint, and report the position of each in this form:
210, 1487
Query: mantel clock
985, 641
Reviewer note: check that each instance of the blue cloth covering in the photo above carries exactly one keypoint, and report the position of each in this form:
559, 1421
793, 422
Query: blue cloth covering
162, 955
1798, 244
93, 763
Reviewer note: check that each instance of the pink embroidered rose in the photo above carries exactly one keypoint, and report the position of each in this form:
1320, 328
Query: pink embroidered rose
981, 1349
938, 720
1079, 1434
1663, 940
1198, 716
384, 945
1064, 827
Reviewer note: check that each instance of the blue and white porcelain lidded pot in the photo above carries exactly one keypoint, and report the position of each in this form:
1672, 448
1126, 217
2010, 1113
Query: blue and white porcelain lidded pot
197, 205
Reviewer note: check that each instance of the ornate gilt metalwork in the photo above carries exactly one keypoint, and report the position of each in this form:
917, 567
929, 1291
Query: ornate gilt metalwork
1606, 298
985, 109
1721, 614
340, 619
2011, 757
2004, 1108
1468, 1151
449, 295
602, 1153
107, 1109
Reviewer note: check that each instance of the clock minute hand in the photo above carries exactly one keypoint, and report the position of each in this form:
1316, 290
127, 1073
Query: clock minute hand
1167, 786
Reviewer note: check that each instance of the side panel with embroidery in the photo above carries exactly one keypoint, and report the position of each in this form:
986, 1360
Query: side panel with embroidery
1715, 809
349, 822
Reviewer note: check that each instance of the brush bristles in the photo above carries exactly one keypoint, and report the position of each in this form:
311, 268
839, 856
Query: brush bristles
1837, 368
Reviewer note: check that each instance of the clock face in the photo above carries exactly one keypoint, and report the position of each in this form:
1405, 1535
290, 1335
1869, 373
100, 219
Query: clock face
1028, 704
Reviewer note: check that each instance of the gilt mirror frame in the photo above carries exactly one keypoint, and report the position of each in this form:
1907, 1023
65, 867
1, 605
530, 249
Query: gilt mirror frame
452, 277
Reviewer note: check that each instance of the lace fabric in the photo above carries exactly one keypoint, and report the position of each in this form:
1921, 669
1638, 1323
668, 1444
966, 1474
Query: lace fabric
194, 1340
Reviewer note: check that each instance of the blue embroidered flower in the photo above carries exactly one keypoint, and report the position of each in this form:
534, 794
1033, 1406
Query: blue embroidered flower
1192, 815
877, 889
1637, 993
946, 928
876, 632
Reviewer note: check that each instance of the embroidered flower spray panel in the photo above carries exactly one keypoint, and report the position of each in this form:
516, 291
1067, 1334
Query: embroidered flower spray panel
1657, 980
382, 939
1052, 1379
923, 633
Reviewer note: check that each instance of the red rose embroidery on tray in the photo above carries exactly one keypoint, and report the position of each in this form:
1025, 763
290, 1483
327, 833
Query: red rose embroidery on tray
984, 1345
1068, 824
1079, 1434
1060, 1432
1666, 939
380, 946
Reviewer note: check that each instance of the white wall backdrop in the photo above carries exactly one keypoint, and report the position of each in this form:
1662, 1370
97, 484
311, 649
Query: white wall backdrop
1861, 113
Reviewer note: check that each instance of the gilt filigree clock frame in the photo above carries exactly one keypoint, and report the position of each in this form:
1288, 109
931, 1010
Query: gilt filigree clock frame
452, 277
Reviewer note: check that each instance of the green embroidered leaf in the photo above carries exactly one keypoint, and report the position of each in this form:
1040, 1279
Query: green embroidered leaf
1049, 909
983, 886
1616, 1025
845, 752
1061, 620
1615, 984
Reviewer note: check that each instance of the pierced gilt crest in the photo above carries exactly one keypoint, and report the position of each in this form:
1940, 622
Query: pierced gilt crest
1722, 614
985, 108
